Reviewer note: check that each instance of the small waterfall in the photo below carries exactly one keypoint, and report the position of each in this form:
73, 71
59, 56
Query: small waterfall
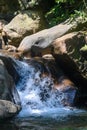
36, 89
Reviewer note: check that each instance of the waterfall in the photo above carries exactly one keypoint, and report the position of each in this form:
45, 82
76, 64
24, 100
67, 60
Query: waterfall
36, 89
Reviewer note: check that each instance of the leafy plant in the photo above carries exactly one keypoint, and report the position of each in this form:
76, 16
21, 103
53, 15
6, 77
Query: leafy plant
66, 9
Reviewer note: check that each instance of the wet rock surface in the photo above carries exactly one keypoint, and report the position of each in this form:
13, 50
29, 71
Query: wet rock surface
9, 98
56, 83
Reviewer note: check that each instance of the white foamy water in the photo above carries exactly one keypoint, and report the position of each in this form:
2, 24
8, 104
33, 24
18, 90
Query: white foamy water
37, 96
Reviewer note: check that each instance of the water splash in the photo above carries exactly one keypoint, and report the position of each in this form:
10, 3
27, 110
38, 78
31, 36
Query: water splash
37, 94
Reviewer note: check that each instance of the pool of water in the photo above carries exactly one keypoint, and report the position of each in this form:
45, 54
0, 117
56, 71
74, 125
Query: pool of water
65, 119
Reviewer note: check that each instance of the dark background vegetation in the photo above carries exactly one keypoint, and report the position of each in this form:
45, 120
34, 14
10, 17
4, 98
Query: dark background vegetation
55, 11
64, 9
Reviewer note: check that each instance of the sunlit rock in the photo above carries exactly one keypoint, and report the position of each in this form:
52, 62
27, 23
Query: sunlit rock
43, 39
10, 48
25, 23
8, 109
71, 44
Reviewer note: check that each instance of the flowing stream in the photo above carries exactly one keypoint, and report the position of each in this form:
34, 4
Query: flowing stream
37, 94
42, 107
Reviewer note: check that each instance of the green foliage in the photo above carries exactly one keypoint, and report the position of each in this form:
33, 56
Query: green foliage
84, 48
82, 14
65, 9
64, 1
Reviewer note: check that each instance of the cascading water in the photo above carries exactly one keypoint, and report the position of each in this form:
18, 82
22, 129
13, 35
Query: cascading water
37, 93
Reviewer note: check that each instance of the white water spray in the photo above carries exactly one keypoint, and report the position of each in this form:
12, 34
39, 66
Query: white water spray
36, 93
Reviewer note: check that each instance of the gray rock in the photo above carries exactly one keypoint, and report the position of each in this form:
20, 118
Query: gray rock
8, 93
9, 64
44, 38
25, 23
8, 109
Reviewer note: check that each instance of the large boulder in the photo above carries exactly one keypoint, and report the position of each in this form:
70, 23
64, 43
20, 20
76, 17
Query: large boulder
44, 39
71, 70
8, 94
72, 45
25, 23
67, 51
